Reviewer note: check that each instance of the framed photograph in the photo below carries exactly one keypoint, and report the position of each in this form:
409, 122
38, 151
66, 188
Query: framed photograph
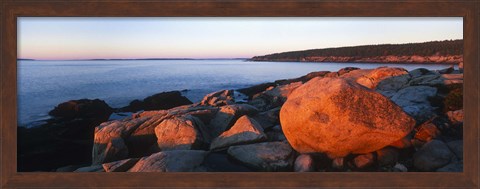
239, 94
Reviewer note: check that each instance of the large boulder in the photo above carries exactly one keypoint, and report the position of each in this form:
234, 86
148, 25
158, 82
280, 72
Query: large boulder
179, 133
245, 130
339, 117
267, 156
414, 100
171, 161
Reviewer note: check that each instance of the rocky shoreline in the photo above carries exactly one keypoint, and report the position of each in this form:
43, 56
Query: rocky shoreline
384, 119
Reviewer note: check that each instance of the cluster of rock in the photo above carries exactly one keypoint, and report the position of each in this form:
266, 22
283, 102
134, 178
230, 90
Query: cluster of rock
384, 119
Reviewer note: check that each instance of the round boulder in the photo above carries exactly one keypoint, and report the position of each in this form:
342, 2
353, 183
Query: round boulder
339, 117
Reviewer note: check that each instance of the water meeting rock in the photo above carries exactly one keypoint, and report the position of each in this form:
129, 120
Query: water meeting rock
339, 117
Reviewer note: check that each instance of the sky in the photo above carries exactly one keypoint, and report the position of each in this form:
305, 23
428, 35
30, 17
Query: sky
63, 38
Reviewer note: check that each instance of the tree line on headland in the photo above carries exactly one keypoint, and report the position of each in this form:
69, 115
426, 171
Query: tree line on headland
448, 51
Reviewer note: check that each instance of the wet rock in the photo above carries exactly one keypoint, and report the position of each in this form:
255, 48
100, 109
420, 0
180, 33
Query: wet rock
267, 156
245, 130
171, 161
304, 163
120, 166
338, 117
433, 155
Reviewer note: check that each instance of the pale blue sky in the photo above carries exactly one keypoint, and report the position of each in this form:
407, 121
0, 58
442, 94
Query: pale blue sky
170, 37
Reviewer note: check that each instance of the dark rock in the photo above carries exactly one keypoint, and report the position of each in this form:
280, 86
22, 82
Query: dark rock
67, 139
433, 155
268, 118
267, 156
273, 97
452, 167
457, 148
446, 70
83, 108
454, 100
171, 161
93, 168
165, 100
221, 162
387, 156
414, 100
68, 168
134, 106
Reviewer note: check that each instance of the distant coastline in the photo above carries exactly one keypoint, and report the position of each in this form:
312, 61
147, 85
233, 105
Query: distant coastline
90, 59
435, 52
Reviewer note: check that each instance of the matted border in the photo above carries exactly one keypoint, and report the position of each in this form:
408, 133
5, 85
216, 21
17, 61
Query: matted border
11, 9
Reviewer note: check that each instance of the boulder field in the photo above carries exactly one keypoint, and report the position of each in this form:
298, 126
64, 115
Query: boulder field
384, 119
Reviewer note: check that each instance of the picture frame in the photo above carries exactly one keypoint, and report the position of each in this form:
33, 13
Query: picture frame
11, 10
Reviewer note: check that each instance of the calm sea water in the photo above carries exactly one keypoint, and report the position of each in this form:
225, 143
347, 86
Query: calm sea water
44, 84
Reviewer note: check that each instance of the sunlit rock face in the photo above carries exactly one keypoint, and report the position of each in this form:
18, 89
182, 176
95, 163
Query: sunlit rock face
338, 117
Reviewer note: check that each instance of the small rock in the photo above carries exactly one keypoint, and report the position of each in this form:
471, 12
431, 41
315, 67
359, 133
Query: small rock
364, 160
456, 117
120, 166
304, 163
432, 155
400, 168
338, 163
427, 132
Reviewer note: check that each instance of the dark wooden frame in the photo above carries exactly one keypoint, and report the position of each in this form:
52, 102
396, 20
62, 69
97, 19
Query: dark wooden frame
10, 10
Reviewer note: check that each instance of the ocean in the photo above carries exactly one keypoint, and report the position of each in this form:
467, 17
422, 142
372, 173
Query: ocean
44, 84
